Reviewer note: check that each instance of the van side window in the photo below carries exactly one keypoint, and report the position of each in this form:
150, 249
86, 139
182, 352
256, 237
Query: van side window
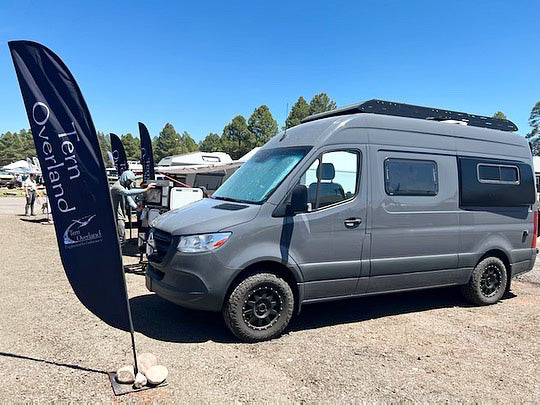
491, 173
410, 177
332, 178
485, 182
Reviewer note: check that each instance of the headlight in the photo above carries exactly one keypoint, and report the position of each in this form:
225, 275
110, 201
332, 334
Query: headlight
202, 243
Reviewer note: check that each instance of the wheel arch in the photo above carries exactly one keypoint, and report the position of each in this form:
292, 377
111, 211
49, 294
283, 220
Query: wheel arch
500, 254
270, 266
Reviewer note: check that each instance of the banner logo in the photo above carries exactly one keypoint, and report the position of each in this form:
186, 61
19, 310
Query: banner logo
78, 233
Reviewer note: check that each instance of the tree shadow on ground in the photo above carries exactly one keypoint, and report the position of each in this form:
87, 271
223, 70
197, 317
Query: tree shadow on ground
159, 319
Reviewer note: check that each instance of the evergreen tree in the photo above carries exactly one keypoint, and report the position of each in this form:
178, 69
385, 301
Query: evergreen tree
10, 148
169, 143
212, 143
321, 103
105, 146
500, 115
237, 137
16, 146
534, 135
299, 111
188, 142
27, 144
132, 146
262, 125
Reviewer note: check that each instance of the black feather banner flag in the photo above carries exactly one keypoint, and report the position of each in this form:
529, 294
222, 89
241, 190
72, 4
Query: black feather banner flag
147, 156
74, 174
119, 154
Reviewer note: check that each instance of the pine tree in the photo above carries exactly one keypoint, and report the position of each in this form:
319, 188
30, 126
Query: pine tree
132, 147
237, 138
262, 125
534, 135
299, 111
500, 115
321, 103
168, 143
212, 143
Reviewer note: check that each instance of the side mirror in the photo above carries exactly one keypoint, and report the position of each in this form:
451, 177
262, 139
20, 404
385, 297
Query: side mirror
299, 199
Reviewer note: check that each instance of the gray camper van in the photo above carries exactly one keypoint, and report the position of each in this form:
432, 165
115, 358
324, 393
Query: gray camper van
372, 198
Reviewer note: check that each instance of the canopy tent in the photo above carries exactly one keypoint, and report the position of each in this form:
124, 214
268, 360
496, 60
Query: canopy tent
19, 164
22, 167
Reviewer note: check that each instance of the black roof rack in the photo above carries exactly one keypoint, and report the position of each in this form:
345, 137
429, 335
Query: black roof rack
414, 111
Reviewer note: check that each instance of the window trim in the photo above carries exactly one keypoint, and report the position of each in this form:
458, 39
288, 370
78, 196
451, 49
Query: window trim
359, 156
515, 183
385, 177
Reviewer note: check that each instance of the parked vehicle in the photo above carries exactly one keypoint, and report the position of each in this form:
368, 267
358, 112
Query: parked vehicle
7, 179
373, 198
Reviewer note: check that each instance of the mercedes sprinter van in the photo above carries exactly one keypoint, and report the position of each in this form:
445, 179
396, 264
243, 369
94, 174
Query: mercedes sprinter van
373, 198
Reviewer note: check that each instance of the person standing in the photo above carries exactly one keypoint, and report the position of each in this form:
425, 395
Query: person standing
120, 193
30, 191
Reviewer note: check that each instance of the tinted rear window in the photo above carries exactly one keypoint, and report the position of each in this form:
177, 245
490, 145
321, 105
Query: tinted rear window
493, 183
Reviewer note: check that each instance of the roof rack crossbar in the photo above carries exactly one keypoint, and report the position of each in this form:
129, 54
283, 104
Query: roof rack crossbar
415, 111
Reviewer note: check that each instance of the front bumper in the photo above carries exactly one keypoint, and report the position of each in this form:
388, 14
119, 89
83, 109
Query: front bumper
198, 280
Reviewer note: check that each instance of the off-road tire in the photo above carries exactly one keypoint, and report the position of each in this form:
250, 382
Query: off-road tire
490, 274
255, 296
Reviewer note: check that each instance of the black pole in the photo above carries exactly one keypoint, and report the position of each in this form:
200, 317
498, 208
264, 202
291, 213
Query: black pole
131, 330
133, 345
130, 225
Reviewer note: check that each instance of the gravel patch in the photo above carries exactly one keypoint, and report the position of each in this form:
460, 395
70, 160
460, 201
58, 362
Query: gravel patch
424, 347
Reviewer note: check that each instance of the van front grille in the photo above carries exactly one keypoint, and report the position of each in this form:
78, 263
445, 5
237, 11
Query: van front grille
162, 243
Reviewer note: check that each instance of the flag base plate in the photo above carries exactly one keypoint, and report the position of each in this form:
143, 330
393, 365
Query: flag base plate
121, 389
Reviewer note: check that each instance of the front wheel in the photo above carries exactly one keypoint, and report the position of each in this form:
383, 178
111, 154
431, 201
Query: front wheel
488, 282
259, 308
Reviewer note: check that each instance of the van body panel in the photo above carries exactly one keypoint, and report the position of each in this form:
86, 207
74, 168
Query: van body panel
402, 282
189, 220
329, 288
413, 233
509, 230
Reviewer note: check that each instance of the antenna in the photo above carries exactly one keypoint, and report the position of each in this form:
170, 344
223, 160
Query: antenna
285, 131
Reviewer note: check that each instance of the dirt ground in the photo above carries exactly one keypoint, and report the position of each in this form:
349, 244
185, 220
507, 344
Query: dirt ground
424, 347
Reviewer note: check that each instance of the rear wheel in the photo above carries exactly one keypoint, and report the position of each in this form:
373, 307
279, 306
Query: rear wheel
488, 282
259, 308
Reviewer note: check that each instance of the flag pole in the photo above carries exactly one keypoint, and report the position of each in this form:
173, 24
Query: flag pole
132, 332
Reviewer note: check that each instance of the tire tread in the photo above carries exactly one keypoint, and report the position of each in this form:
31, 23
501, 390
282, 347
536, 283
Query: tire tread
233, 307
470, 291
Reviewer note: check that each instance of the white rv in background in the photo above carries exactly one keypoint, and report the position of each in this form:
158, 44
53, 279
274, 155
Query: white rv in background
202, 169
536, 164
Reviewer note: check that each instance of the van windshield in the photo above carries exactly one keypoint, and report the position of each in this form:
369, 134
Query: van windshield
257, 179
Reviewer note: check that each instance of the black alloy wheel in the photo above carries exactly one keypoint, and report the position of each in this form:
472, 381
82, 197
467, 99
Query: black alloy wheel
262, 308
259, 308
491, 280
488, 282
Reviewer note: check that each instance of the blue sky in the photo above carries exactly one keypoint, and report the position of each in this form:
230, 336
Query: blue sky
199, 64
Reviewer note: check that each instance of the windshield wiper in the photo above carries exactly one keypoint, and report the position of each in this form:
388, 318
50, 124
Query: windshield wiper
233, 200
